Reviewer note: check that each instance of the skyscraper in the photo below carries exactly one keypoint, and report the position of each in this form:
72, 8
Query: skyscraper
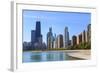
84, 36
33, 38
74, 40
38, 30
89, 33
77, 39
54, 41
50, 39
66, 37
80, 38
40, 39
36, 37
60, 41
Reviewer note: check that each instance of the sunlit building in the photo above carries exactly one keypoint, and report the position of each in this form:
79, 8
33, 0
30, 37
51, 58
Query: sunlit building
66, 37
60, 41
79, 38
89, 33
84, 36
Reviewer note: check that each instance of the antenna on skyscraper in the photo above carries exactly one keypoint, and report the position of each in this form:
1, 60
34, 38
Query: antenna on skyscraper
38, 18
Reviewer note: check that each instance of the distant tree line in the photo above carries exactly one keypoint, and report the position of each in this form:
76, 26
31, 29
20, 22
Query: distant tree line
86, 45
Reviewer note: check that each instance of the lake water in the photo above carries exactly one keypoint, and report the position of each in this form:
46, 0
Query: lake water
46, 56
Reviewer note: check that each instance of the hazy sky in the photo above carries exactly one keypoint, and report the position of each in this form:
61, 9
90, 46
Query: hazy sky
75, 21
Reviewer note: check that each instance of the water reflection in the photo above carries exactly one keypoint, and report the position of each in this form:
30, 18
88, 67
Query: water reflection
45, 56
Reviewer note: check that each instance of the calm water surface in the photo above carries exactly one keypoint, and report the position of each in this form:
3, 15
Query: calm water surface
46, 56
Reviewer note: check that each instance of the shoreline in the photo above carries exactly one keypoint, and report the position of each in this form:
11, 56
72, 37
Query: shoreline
56, 50
83, 54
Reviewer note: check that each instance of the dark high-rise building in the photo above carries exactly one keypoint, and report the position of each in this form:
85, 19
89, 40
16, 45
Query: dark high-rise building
74, 40
80, 38
38, 30
69, 44
33, 38
36, 37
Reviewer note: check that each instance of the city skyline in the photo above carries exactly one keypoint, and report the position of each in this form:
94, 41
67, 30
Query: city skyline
58, 41
30, 18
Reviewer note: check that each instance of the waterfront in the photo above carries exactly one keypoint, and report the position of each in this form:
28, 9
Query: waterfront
64, 55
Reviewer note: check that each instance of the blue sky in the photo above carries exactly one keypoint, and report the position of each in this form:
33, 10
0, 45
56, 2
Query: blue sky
75, 21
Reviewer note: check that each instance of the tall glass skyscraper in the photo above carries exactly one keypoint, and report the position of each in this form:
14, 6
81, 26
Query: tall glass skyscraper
50, 39
66, 37
36, 36
33, 38
38, 30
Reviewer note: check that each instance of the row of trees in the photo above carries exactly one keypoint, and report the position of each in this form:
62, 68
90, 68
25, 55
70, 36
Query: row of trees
86, 45
81, 46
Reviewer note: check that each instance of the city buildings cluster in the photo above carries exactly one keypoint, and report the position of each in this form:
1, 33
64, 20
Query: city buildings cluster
83, 37
36, 39
56, 41
63, 41
59, 41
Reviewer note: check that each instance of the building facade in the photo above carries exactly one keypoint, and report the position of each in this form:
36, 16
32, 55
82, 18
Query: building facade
36, 37
89, 33
38, 31
80, 38
66, 37
33, 38
60, 41
50, 39
84, 36
74, 40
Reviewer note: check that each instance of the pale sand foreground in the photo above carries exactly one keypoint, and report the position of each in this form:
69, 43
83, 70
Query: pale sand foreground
83, 54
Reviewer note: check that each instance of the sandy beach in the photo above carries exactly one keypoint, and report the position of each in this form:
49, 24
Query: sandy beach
84, 54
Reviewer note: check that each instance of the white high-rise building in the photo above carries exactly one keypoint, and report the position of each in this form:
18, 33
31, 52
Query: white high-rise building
66, 37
